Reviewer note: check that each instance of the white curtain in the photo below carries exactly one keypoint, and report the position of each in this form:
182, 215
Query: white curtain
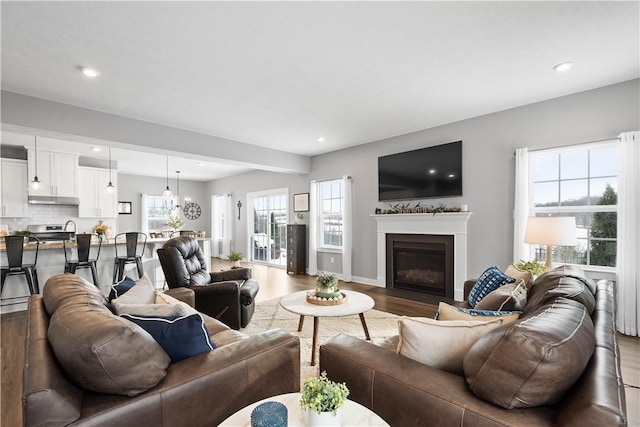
628, 273
228, 226
347, 228
144, 217
313, 228
521, 205
216, 233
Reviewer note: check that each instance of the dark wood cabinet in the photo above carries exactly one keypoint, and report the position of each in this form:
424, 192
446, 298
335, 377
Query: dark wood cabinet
296, 248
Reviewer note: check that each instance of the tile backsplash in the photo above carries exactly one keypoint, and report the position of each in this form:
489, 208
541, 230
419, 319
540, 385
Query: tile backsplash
56, 214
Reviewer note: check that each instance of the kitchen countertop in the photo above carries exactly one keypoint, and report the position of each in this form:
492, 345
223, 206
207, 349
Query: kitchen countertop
109, 242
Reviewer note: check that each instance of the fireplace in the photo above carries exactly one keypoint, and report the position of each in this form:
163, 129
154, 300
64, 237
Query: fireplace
447, 225
421, 263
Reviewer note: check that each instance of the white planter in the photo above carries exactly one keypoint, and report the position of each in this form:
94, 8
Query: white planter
235, 264
324, 419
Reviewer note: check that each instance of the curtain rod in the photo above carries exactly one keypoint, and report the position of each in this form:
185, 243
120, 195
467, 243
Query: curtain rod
330, 179
572, 145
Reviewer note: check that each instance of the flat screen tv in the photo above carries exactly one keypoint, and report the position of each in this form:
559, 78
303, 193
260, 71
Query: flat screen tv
421, 174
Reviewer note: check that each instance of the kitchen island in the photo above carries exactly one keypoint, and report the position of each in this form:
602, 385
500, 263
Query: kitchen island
51, 261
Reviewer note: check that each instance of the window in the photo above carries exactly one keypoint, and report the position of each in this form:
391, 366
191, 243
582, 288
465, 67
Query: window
269, 226
159, 210
219, 213
581, 182
331, 221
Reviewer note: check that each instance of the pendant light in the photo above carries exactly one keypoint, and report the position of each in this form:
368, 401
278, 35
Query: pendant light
177, 190
110, 186
167, 193
35, 185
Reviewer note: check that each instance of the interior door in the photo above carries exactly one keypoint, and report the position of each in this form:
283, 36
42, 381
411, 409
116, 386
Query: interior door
269, 227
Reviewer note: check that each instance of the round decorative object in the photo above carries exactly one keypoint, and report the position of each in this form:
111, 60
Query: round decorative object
269, 414
312, 298
192, 211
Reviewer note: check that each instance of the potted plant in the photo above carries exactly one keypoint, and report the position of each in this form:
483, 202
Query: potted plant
327, 284
235, 258
323, 398
101, 230
175, 222
535, 267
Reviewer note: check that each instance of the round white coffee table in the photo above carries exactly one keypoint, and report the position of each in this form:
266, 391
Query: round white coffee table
353, 414
357, 303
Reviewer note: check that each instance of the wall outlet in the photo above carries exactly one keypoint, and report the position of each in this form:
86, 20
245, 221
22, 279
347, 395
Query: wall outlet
332, 259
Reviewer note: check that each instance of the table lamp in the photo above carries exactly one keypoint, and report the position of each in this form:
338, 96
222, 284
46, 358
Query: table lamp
551, 231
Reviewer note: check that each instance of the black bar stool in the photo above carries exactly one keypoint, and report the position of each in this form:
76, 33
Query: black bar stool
15, 250
131, 240
82, 260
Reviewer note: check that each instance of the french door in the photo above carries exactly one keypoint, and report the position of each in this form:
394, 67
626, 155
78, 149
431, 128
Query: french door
268, 226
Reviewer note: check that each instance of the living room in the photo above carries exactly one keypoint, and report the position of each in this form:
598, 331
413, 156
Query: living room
560, 110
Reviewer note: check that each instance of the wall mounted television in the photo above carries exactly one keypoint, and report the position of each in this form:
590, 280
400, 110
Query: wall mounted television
421, 174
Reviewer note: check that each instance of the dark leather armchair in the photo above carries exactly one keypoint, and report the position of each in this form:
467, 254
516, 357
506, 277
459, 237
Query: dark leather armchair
229, 295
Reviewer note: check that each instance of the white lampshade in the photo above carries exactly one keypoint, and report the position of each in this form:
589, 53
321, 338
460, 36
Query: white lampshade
551, 230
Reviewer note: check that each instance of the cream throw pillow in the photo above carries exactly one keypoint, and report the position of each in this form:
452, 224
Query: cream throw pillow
440, 344
143, 292
162, 298
449, 312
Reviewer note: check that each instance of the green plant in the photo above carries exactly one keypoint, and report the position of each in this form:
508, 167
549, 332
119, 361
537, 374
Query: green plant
22, 233
235, 256
535, 267
175, 222
320, 394
327, 281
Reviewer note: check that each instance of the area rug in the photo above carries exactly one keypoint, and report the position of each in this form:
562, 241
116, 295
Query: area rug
269, 315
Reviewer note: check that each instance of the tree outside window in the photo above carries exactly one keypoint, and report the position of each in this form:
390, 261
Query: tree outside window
331, 226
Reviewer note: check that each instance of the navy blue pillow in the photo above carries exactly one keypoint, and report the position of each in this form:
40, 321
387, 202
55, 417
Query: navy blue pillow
180, 337
121, 288
489, 281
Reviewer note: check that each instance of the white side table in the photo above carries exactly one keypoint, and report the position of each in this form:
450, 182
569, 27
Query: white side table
353, 414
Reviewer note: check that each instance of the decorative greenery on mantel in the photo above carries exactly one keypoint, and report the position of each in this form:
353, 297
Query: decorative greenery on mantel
407, 208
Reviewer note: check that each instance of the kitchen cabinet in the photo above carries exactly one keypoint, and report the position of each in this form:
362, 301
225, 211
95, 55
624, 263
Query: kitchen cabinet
94, 201
13, 186
58, 173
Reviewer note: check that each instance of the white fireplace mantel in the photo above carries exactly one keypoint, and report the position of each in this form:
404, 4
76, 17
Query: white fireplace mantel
450, 224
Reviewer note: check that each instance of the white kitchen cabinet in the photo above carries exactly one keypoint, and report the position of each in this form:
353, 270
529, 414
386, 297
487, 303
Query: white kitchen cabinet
14, 183
58, 173
94, 201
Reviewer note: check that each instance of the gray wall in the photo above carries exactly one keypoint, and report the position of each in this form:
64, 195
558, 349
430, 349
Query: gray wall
488, 167
131, 188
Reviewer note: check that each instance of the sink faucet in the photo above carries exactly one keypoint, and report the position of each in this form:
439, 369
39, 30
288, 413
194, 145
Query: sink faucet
75, 227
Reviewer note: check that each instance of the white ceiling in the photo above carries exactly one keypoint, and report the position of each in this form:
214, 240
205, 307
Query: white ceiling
280, 74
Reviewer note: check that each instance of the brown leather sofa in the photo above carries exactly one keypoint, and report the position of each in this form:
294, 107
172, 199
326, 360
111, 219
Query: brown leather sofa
506, 362
201, 390
228, 296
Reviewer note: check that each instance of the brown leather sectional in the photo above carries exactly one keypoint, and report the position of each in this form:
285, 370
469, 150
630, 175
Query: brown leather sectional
201, 390
568, 322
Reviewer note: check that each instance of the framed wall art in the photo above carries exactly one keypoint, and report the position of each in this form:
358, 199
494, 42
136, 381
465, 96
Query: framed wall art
301, 202
124, 208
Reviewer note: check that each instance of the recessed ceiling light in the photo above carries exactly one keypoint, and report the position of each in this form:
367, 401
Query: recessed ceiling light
200, 164
451, 175
320, 139
96, 148
89, 72
563, 67
432, 171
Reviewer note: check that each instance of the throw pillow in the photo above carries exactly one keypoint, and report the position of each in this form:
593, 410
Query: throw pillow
162, 298
510, 297
143, 292
121, 288
449, 312
490, 280
180, 337
164, 310
515, 272
440, 344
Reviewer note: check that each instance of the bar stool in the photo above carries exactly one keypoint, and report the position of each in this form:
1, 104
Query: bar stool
132, 255
82, 260
15, 250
